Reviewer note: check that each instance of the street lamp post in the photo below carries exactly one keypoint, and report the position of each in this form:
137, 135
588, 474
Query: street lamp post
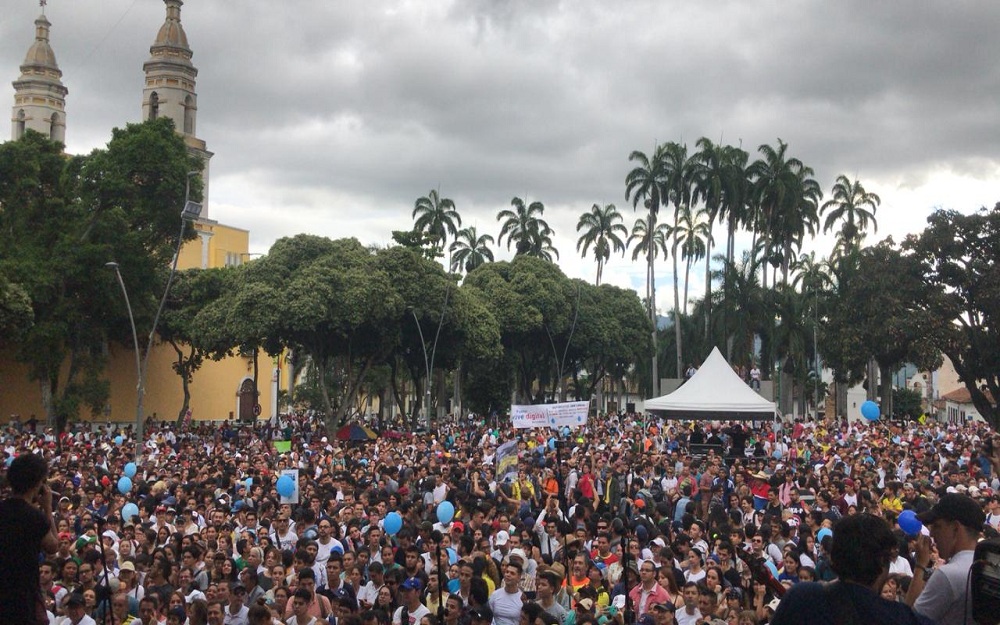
429, 362
135, 341
190, 212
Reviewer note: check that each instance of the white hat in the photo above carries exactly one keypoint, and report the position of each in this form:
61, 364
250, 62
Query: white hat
501, 538
517, 551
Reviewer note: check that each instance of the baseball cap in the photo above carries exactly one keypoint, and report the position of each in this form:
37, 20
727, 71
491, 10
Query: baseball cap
646, 619
411, 583
664, 607
955, 507
127, 566
501, 538
587, 603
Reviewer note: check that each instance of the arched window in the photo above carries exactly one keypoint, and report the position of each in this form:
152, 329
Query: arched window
154, 105
189, 115
19, 125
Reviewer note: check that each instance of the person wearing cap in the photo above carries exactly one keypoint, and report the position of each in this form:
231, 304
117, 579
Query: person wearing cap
411, 610
663, 613
955, 523
861, 549
26, 528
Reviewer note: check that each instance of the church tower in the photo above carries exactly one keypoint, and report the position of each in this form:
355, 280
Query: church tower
39, 95
170, 83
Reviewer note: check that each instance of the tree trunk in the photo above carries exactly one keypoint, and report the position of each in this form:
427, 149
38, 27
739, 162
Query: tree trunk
708, 289
885, 375
320, 364
652, 304
677, 316
687, 278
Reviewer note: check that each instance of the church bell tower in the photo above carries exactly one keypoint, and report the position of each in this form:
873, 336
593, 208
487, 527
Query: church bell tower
39, 94
170, 87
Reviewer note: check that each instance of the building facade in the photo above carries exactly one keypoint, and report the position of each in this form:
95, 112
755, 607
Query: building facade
220, 390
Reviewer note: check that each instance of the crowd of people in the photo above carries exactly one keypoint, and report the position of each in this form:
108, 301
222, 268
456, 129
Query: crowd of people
628, 520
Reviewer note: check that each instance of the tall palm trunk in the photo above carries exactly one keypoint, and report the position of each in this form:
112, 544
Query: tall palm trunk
652, 304
677, 314
708, 286
687, 279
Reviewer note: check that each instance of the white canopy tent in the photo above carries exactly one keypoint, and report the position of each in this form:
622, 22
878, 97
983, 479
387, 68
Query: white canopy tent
715, 392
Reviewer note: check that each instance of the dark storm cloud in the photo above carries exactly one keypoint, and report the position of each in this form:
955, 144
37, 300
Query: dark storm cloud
354, 109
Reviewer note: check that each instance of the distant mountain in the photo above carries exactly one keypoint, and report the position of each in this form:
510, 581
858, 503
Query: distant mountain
663, 322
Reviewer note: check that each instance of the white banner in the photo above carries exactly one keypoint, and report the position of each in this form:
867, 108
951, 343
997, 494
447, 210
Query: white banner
570, 414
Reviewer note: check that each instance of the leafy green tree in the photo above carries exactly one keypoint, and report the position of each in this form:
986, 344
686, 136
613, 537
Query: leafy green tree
603, 229
62, 220
958, 259
420, 242
436, 217
882, 317
470, 250
525, 228
16, 315
906, 403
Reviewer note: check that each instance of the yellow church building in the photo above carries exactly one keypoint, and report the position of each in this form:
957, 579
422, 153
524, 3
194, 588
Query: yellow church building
220, 390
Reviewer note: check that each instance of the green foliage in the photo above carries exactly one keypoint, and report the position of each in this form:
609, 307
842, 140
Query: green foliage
958, 257
61, 221
906, 403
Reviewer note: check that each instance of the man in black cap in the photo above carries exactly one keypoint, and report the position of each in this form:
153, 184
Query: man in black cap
955, 523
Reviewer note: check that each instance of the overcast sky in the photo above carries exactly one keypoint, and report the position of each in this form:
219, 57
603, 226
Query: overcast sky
333, 117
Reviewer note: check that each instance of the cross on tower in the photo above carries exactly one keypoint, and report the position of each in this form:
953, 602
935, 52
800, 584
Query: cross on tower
42, 4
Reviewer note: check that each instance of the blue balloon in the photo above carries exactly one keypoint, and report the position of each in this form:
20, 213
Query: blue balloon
249, 483
286, 486
870, 410
445, 512
129, 510
131, 470
909, 523
119, 440
552, 444
823, 532
124, 485
392, 523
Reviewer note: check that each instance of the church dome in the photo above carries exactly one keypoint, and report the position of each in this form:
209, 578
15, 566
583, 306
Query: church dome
172, 34
40, 53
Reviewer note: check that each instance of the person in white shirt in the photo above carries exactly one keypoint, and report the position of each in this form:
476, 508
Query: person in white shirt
506, 601
409, 590
76, 611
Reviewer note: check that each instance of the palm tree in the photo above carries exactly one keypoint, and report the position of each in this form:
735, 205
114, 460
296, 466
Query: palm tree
853, 205
640, 239
710, 186
525, 228
603, 228
692, 237
780, 184
679, 174
645, 183
470, 250
437, 217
